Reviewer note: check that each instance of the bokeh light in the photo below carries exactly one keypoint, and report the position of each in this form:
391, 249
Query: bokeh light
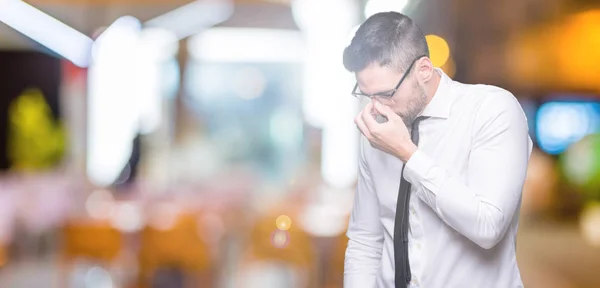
164, 216
97, 277
100, 204
581, 165
127, 217
283, 222
559, 124
439, 51
576, 45
590, 223
280, 239
449, 67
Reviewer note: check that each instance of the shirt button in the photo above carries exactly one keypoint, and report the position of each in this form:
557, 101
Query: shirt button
414, 281
418, 246
412, 211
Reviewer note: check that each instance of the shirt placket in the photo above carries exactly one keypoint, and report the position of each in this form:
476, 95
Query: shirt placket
415, 231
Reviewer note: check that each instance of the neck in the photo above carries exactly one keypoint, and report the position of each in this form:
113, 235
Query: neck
432, 87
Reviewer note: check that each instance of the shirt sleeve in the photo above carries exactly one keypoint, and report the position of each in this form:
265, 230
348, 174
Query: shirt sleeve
482, 208
365, 232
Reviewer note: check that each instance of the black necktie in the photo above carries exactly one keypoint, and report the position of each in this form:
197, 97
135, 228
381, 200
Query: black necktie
402, 270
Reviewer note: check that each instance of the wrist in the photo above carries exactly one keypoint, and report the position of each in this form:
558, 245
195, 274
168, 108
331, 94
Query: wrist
406, 151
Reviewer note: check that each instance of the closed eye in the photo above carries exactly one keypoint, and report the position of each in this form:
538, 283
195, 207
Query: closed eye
385, 94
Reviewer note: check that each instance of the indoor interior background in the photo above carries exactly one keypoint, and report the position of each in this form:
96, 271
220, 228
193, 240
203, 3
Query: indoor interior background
211, 143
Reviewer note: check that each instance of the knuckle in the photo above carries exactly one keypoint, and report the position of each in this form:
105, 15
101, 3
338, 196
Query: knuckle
375, 132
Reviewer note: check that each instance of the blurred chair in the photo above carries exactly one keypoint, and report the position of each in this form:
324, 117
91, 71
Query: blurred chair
3, 255
289, 253
96, 241
178, 248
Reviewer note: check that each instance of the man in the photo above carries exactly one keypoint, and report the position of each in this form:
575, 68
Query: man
438, 208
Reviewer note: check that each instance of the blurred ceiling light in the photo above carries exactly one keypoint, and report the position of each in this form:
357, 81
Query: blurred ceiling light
375, 6
124, 31
158, 44
194, 17
439, 51
46, 30
247, 45
340, 146
326, 26
156, 47
113, 118
319, 16
125, 175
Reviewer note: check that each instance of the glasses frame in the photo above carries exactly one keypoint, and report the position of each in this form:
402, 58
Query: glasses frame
392, 92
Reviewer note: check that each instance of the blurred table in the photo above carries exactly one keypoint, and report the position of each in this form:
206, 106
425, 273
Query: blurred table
554, 255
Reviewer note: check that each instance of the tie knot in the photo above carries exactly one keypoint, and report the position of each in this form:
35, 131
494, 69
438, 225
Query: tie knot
418, 120
414, 134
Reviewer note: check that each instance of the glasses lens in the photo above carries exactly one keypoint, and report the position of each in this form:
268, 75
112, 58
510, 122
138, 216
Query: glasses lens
360, 97
384, 99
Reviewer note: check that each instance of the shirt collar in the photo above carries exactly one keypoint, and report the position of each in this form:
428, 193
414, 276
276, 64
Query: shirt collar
440, 104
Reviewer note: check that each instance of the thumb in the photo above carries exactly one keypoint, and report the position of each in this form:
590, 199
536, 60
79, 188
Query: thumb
383, 110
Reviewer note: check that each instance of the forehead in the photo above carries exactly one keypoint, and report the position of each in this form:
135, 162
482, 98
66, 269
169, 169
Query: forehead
376, 79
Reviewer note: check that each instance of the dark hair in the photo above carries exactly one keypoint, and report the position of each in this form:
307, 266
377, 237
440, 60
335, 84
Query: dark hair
389, 39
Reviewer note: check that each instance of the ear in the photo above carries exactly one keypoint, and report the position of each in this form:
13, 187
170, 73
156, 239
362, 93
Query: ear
425, 69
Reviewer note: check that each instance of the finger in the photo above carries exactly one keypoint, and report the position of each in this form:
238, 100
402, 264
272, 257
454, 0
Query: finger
368, 117
384, 110
362, 126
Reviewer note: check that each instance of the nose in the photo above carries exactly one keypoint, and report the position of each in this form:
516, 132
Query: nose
374, 101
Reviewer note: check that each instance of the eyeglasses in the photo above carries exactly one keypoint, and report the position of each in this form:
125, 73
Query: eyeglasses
387, 96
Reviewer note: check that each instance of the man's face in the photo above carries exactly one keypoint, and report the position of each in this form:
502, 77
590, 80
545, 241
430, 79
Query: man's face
408, 101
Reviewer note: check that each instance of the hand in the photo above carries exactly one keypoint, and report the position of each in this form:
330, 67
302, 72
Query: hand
391, 137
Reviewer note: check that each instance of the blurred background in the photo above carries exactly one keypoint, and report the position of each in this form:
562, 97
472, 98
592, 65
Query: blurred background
211, 143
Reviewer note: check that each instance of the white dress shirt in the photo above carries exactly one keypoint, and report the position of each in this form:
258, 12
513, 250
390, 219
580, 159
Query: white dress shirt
467, 177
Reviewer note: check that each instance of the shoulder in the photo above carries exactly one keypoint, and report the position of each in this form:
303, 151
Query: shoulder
492, 102
493, 99
489, 108
498, 111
